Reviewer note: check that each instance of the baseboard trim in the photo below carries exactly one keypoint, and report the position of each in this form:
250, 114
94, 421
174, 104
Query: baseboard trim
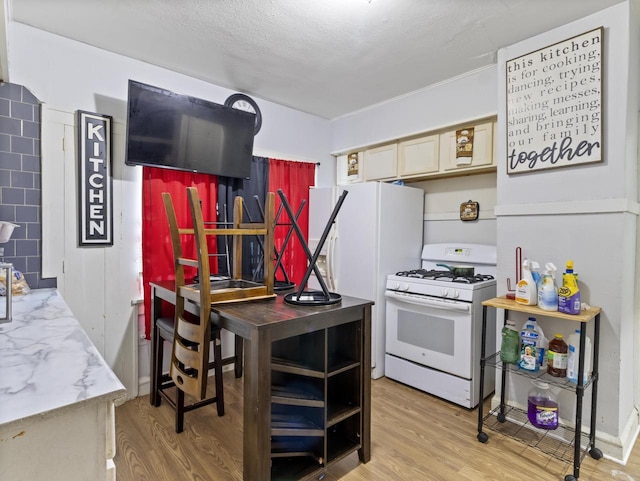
144, 386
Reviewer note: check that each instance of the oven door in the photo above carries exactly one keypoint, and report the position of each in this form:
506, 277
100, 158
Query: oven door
436, 333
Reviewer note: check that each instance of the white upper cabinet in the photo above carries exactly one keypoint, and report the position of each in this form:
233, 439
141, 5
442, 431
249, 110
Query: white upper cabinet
418, 156
381, 163
478, 140
459, 149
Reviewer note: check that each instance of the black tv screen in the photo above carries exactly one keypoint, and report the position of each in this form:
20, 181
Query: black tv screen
174, 131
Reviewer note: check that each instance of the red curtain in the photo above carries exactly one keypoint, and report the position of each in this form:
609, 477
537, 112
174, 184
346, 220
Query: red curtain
294, 178
157, 255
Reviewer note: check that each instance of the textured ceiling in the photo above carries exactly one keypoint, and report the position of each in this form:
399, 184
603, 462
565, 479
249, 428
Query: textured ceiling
325, 57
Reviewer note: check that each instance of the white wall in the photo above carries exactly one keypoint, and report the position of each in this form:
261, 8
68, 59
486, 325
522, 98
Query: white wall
634, 73
588, 214
70, 75
470, 96
442, 199
99, 283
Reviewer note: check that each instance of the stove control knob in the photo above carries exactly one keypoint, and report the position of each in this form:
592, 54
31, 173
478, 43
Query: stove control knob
455, 293
404, 287
395, 286
445, 292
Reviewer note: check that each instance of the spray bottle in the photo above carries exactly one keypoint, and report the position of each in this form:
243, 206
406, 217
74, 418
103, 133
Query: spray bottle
526, 291
547, 289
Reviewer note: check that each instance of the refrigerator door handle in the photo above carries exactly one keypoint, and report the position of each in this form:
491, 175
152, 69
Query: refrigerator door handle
330, 263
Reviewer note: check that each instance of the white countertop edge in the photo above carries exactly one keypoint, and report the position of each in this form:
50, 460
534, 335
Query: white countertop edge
20, 423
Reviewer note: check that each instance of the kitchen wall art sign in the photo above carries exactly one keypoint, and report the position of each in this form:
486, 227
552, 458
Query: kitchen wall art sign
95, 203
554, 105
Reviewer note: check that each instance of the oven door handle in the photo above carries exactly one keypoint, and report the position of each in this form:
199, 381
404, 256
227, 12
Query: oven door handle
426, 301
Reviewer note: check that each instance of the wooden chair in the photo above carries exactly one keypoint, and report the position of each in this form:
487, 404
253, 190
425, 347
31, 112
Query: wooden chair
191, 335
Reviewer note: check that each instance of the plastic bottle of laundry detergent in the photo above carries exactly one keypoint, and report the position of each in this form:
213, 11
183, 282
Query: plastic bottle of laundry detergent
542, 345
574, 357
569, 293
547, 289
529, 339
526, 291
542, 406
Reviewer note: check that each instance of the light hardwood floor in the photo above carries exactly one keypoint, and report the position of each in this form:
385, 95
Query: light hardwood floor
415, 437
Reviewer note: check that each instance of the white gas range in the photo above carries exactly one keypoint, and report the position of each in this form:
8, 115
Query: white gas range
434, 321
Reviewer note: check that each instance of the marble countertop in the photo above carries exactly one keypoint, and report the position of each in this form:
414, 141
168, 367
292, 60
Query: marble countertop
47, 361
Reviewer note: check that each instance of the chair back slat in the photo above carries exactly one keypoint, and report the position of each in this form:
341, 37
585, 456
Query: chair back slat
187, 356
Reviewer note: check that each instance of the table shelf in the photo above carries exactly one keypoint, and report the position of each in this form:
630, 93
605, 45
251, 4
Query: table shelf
342, 366
294, 425
302, 395
316, 394
340, 412
284, 365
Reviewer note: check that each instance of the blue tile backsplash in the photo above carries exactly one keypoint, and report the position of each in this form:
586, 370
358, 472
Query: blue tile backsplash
20, 174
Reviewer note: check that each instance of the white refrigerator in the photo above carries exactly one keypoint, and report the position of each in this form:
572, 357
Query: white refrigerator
378, 231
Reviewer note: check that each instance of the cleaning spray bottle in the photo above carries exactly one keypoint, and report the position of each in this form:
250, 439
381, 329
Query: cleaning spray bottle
569, 293
547, 289
526, 291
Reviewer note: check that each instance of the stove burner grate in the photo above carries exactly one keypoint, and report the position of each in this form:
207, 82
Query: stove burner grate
444, 276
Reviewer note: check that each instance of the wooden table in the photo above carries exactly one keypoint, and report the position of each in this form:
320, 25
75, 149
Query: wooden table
262, 323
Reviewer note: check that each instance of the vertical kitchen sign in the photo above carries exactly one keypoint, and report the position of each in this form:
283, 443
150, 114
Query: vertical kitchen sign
94, 179
554, 105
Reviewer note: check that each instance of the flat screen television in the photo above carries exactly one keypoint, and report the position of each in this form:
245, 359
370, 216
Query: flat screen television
174, 131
